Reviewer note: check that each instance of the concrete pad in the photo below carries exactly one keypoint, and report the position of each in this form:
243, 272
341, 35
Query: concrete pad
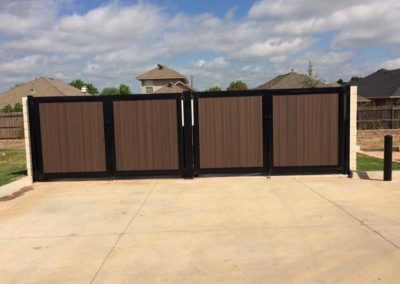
235, 202
312, 255
372, 202
68, 208
53, 260
222, 229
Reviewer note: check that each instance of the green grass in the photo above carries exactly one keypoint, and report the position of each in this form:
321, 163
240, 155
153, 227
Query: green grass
12, 165
366, 163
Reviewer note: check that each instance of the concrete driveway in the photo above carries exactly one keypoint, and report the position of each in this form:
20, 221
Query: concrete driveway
207, 230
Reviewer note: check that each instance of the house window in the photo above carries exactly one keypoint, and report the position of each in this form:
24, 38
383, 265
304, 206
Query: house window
149, 90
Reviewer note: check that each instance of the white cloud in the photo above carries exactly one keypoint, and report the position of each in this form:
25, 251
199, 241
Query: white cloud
273, 48
116, 42
393, 63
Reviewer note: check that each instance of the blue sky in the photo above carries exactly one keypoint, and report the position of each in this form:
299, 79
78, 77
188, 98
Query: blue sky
111, 42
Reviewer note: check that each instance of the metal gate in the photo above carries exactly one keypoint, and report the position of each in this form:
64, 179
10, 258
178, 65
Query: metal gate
258, 131
73, 137
287, 131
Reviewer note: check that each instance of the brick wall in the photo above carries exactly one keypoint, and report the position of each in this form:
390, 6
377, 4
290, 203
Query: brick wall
372, 139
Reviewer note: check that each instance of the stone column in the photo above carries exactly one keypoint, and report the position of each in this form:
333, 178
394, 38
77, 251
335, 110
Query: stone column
27, 135
353, 128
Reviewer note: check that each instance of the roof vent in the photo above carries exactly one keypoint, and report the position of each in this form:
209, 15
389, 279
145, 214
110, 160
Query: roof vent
160, 66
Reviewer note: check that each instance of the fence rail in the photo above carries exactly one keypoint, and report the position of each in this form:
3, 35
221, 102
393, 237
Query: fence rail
378, 117
11, 125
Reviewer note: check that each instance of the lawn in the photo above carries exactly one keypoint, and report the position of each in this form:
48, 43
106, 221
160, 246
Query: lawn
12, 165
366, 163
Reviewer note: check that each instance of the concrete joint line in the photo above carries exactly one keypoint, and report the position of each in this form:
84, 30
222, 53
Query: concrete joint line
124, 231
352, 216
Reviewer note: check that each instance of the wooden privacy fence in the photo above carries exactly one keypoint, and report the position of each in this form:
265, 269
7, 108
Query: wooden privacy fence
378, 117
11, 125
257, 131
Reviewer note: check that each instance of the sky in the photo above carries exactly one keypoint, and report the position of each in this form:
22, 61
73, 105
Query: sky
111, 42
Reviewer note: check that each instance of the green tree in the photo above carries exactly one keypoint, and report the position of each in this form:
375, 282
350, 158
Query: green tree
214, 89
354, 79
311, 79
7, 108
124, 90
341, 82
237, 86
78, 83
17, 107
109, 91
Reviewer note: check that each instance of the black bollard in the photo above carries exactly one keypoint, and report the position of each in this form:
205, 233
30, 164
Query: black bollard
387, 167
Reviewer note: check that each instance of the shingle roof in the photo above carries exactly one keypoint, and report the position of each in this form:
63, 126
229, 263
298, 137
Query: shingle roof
162, 72
288, 81
178, 87
381, 84
40, 87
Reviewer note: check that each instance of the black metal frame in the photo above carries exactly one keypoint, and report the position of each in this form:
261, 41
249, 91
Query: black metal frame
108, 116
188, 135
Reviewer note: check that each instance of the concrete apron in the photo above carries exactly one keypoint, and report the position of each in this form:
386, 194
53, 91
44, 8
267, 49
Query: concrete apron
229, 230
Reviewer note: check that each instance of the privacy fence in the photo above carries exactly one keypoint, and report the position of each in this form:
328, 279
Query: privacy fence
11, 125
267, 132
378, 117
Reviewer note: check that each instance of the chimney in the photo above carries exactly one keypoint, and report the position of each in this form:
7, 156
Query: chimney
159, 66
84, 89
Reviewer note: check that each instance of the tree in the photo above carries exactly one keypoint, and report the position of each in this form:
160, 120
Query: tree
17, 107
78, 83
311, 79
354, 79
236, 86
341, 82
8, 108
109, 91
124, 90
214, 89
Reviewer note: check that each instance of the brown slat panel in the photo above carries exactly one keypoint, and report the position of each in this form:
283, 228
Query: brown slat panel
146, 135
72, 136
305, 130
230, 132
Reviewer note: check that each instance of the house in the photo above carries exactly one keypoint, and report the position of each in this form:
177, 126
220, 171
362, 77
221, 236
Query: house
40, 87
291, 80
381, 87
163, 79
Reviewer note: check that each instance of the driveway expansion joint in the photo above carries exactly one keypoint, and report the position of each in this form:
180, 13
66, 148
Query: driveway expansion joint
123, 232
351, 215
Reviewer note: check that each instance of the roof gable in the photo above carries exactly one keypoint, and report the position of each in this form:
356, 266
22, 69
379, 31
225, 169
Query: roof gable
161, 72
290, 80
40, 87
178, 87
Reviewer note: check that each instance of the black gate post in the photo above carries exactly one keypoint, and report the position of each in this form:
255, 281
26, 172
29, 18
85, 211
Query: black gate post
387, 167
188, 135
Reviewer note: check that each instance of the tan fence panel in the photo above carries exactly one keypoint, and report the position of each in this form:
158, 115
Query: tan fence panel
11, 125
230, 132
146, 135
305, 130
72, 136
